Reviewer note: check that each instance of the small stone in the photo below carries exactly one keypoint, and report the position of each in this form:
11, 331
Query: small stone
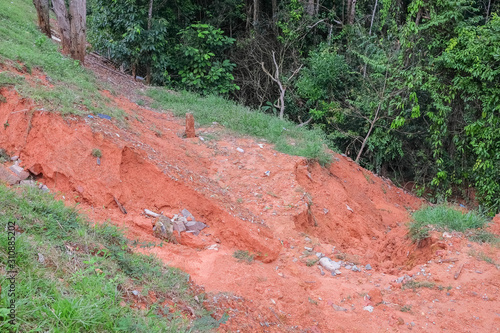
14, 158
368, 267
240, 150
307, 239
319, 255
355, 269
29, 182
267, 173
348, 266
368, 308
190, 132
308, 248
41, 258
135, 292
338, 308
195, 226
214, 247
20, 172
98, 160
187, 214
329, 264
44, 188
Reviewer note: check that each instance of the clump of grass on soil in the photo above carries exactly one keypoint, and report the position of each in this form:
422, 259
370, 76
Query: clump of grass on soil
446, 218
77, 277
243, 256
284, 134
74, 90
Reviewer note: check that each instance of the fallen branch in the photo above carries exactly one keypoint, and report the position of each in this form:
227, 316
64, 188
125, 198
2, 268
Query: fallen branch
120, 206
457, 274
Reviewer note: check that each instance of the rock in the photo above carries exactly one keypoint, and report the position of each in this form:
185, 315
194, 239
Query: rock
375, 296
187, 214
135, 292
30, 183
195, 226
179, 226
338, 308
319, 255
14, 158
164, 229
36, 169
240, 150
368, 308
329, 264
308, 248
44, 188
348, 266
20, 172
368, 267
355, 269
190, 132
214, 247
267, 173
8, 177
150, 213
41, 258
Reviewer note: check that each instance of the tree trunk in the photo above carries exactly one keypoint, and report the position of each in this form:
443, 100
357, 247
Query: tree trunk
78, 24
64, 27
42, 10
352, 11
73, 27
150, 19
255, 13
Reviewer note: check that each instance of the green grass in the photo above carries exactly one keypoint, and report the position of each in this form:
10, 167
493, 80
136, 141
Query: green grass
85, 273
284, 134
243, 256
414, 285
445, 218
75, 90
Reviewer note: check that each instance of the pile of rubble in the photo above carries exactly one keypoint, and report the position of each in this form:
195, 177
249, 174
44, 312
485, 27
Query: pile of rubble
165, 227
15, 174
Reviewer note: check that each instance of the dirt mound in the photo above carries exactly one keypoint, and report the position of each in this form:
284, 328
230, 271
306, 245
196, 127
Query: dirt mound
283, 210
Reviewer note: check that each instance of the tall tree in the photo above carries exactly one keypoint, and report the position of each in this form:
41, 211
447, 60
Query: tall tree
72, 23
42, 10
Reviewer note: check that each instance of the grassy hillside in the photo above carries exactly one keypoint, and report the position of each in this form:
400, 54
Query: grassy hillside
77, 277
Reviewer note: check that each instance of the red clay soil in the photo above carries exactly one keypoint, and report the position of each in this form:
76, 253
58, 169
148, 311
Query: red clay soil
273, 206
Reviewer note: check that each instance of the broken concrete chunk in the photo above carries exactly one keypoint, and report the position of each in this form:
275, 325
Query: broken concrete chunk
329, 264
196, 226
179, 226
20, 172
187, 214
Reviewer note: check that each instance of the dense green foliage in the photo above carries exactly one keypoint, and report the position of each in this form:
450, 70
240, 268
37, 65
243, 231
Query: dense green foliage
408, 88
446, 218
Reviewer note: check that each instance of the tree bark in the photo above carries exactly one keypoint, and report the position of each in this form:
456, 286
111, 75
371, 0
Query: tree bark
150, 19
42, 10
255, 13
73, 27
64, 27
352, 11
78, 24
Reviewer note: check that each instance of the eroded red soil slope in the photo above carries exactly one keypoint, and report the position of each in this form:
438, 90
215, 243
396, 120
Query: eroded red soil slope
282, 209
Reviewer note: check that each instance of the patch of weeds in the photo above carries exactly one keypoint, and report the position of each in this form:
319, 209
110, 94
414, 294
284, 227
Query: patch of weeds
271, 193
368, 178
441, 288
73, 90
443, 218
482, 256
4, 156
86, 272
406, 308
243, 256
414, 285
311, 262
312, 301
482, 236
3, 99
286, 136
96, 152
239, 200
141, 102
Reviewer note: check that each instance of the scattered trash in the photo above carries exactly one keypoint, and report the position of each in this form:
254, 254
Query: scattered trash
150, 213
91, 117
104, 116
349, 208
